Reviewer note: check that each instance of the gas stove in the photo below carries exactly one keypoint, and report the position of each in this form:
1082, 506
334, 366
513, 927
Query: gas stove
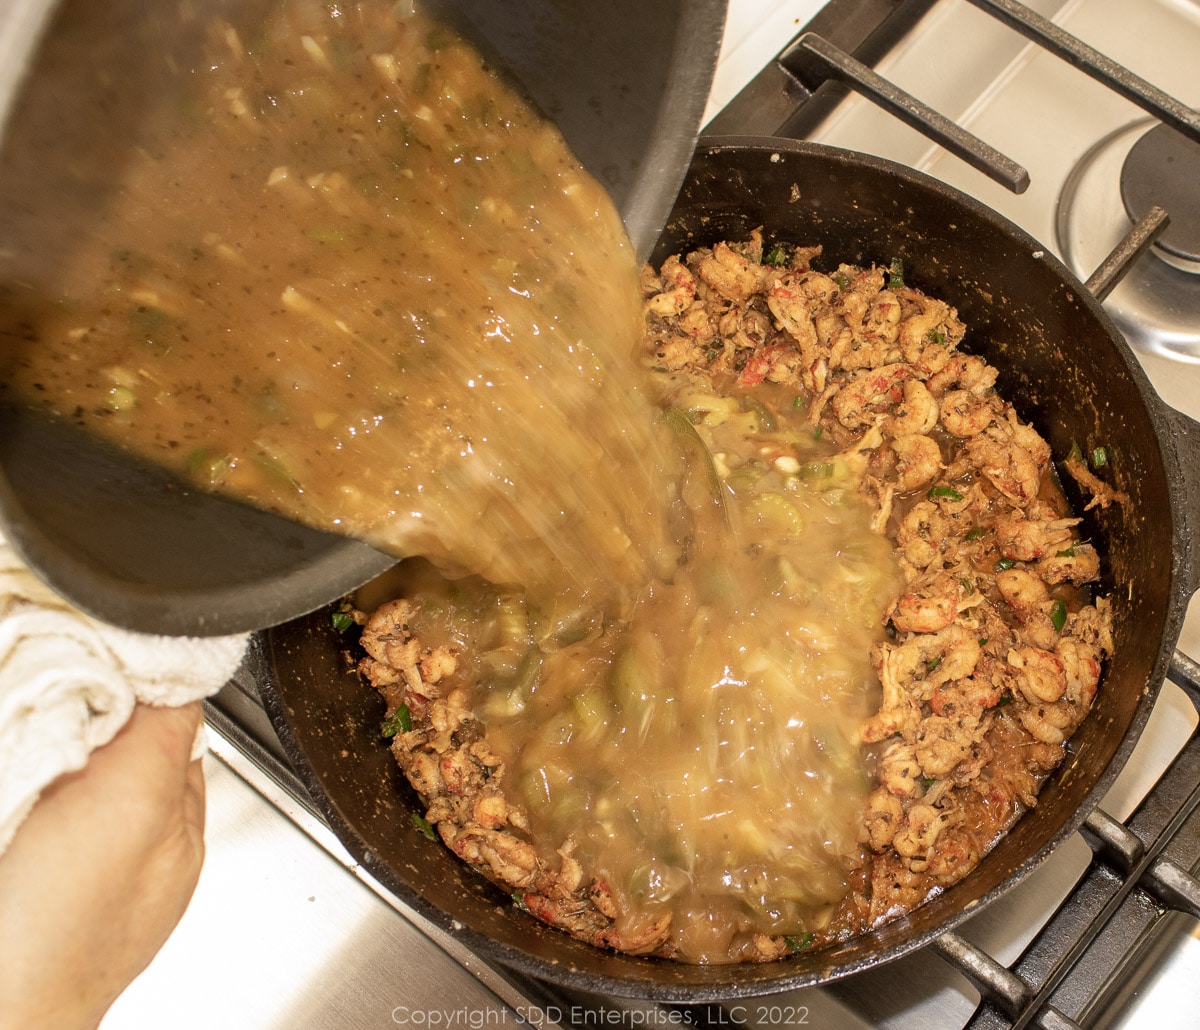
287, 930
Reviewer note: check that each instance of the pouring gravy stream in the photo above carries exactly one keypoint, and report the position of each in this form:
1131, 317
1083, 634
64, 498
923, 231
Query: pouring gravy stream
350, 277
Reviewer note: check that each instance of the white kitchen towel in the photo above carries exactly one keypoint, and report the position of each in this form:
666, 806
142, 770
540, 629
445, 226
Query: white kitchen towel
69, 682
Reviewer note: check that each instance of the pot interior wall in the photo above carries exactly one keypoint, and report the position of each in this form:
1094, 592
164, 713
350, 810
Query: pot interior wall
1065, 370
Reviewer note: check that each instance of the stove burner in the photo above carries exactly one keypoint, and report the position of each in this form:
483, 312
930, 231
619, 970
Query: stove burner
1163, 168
1157, 305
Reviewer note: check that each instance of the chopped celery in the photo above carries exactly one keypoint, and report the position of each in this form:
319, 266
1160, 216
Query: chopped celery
816, 470
636, 678
512, 621
745, 476
715, 584
777, 516
529, 672
590, 706
121, 398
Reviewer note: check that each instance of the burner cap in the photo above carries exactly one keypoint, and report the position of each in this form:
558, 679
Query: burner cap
1163, 168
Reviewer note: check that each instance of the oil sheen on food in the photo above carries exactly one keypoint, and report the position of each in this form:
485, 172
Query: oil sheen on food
359, 283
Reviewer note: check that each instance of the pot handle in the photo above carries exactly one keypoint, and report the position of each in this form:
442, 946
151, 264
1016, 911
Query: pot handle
1185, 431
1185, 434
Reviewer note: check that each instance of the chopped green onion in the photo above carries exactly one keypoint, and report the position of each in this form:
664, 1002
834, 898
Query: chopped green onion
399, 721
947, 492
776, 257
798, 942
1005, 699
816, 470
424, 825
967, 584
978, 533
798, 401
933, 663
1005, 563
519, 901
325, 234
1068, 553
1099, 458
209, 466
896, 272
935, 336
765, 416
1058, 615
841, 281
1074, 454
276, 470
818, 433
342, 621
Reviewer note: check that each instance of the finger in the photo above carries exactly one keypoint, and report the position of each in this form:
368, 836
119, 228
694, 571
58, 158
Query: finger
170, 732
193, 798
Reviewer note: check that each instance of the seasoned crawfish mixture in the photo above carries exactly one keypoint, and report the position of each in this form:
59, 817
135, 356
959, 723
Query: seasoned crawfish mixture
804, 398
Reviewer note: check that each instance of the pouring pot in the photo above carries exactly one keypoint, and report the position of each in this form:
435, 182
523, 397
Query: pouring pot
1066, 369
625, 83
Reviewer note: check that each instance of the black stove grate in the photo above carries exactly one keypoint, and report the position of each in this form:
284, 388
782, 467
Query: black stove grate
1143, 870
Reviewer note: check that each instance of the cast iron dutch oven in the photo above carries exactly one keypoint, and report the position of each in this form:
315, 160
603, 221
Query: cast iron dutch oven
1068, 371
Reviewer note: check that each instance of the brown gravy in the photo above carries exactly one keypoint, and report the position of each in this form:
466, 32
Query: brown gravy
357, 281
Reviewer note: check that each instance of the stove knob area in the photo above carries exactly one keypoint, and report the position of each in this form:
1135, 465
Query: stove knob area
1163, 168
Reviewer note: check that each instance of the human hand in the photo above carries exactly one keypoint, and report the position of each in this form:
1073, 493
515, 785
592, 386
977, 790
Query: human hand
100, 873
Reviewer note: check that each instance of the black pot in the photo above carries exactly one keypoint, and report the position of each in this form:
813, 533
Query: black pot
625, 82
1069, 373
